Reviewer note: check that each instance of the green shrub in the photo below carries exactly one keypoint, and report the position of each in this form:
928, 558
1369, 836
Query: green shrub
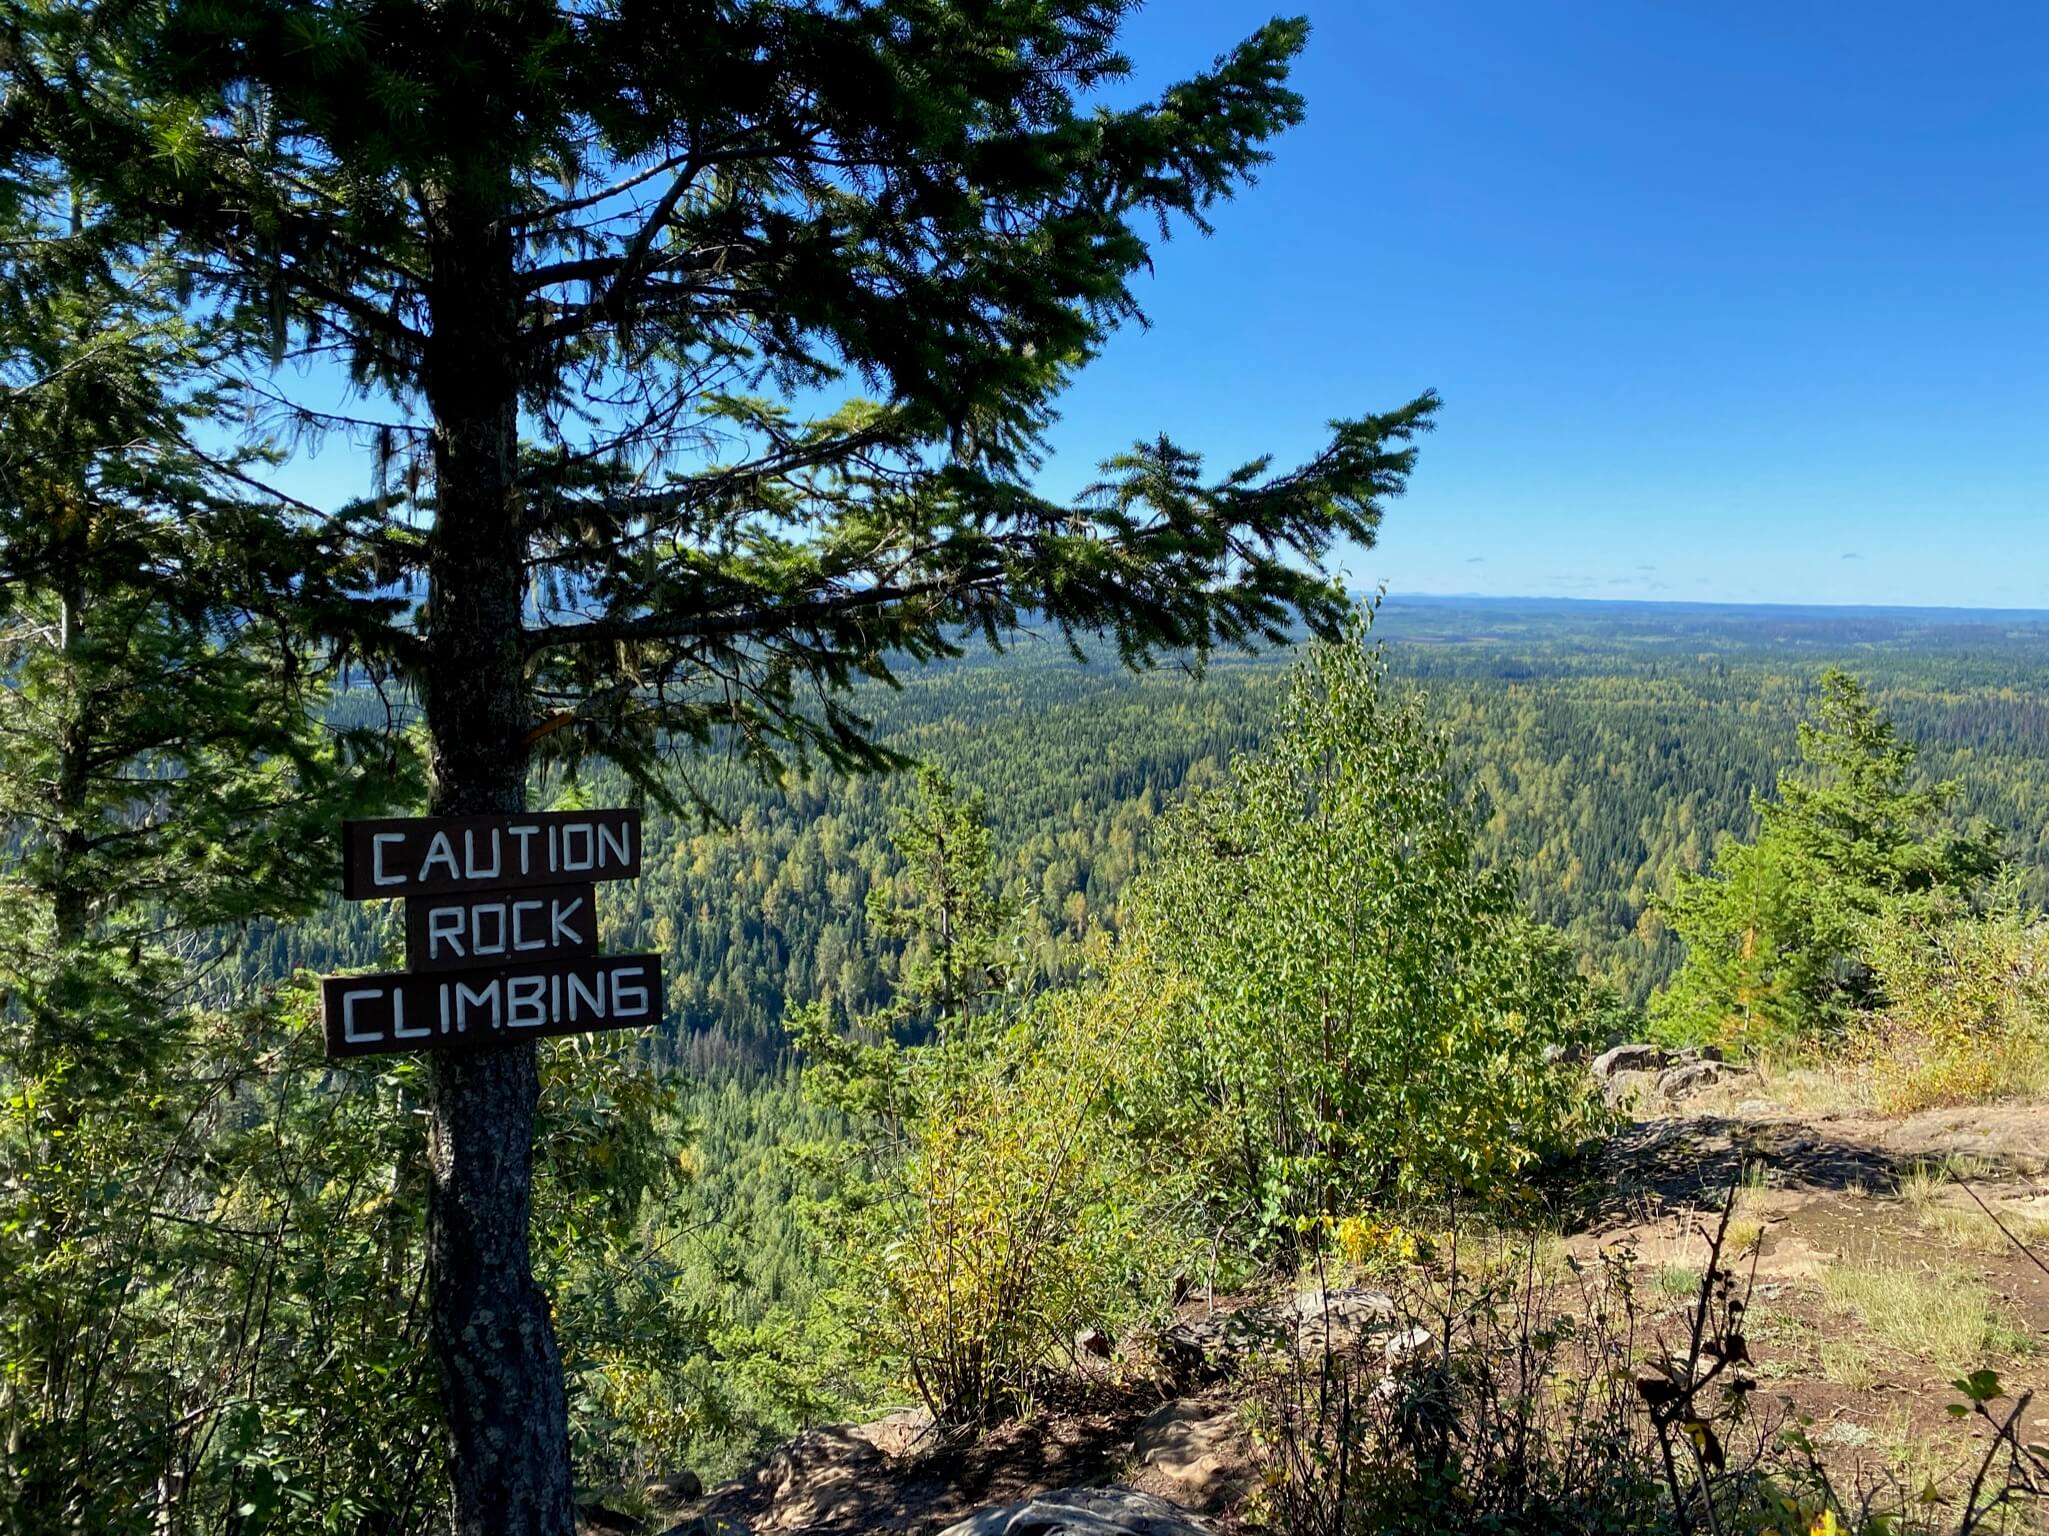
1336, 1006
1967, 1012
1000, 1203
1020, 1214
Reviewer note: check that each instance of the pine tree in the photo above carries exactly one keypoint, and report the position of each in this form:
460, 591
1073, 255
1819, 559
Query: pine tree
588, 266
1774, 932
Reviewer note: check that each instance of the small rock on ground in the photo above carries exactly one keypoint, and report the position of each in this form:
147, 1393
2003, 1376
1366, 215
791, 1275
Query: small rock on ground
1084, 1512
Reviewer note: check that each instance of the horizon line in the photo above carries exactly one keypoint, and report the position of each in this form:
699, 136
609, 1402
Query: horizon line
1394, 594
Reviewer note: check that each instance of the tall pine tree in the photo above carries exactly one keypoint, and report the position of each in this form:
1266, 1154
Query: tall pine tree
594, 271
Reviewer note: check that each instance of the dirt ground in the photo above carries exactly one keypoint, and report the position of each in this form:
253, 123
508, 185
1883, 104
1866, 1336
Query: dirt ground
1879, 1269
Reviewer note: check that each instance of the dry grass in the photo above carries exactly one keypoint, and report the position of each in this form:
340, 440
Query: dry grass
1909, 1074
1931, 1191
1943, 1317
1794, 1086
1847, 1363
1887, 1075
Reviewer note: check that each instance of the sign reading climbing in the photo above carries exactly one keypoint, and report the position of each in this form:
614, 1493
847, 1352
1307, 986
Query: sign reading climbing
501, 932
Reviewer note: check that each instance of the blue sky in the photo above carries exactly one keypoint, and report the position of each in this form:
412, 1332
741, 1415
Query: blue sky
1731, 301
1738, 301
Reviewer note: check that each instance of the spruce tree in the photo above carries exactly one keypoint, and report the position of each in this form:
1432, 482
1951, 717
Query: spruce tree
1776, 931
164, 777
593, 272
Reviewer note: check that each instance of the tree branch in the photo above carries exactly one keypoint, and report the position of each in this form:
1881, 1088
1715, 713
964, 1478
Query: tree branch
772, 618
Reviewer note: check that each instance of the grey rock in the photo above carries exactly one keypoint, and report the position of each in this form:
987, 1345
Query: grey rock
1111, 1511
1626, 1088
1691, 1077
805, 1480
1200, 1350
1410, 1344
1641, 1057
679, 1487
1354, 1307
899, 1432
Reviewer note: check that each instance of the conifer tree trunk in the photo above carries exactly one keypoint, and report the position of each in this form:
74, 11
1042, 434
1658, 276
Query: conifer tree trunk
501, 1371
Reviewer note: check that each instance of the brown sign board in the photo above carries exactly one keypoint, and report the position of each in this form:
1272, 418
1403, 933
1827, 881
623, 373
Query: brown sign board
405, 1011
437, 855
487, 928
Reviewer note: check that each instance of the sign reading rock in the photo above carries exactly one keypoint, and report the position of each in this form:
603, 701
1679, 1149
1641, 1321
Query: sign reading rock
501, 932
446, 933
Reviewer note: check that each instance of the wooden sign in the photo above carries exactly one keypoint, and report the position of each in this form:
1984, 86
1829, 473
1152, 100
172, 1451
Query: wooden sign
406, 1011
501, 932
469, 928
433, 855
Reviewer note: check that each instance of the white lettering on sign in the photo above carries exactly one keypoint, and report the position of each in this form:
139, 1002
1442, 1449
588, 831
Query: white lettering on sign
532, 1002
398, 1020
487, 929
350, 1032
447, 925
467, 997
628, 1001
576, 848
553, 997
526, 1001
495, 926
436, 855
579, 848
559, 929
439, 852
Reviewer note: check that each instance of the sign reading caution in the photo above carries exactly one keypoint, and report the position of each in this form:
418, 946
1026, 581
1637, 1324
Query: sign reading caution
501, 932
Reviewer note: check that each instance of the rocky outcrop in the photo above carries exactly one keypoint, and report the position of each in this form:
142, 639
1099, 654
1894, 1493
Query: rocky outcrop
1328, 1321
1198, 1351
822, 1475
1084, 1512
1201, 1451
1628, 1072
1688, 1077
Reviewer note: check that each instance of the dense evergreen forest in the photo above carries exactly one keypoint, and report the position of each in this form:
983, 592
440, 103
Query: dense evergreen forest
1613, 744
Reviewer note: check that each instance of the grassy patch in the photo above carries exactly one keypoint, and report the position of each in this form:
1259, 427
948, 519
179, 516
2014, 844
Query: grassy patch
1677, 1282
1744, 1236
1968, 1227
1847, 1363
1943, 1317
1782, 1343
1926, 1188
